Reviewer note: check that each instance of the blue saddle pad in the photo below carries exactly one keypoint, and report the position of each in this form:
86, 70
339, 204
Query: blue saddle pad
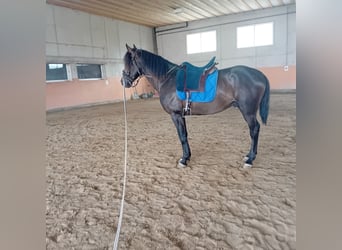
209, 93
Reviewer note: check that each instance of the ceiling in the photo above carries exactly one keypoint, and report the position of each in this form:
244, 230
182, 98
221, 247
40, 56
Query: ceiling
155, 13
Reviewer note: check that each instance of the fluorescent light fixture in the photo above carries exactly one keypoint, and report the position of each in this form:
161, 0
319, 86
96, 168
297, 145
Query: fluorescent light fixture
171, 27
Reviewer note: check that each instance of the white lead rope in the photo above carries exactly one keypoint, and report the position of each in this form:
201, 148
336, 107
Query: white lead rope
117, 235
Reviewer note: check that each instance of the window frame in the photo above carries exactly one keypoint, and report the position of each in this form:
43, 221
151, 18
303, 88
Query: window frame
93, 78
68, 72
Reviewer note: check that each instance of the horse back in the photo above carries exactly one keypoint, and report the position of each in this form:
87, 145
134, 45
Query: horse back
244, 81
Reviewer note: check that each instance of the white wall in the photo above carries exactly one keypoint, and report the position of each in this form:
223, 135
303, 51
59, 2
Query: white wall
74, 36
172, 44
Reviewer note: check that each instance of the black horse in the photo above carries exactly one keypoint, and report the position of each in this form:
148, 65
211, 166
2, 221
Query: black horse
239, 86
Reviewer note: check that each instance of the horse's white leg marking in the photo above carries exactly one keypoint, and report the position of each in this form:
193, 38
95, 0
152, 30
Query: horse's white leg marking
247, 165
181, 165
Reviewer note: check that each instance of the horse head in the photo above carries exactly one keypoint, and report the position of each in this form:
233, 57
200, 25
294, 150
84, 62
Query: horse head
131, 71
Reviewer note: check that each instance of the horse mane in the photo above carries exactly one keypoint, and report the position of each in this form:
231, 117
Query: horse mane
156, 64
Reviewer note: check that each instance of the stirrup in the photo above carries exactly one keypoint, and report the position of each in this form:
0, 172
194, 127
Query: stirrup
187, 108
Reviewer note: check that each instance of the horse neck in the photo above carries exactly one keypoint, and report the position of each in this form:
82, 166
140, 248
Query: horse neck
156, 75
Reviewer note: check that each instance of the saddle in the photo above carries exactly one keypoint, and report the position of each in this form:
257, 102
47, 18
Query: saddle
192, 78
196, 84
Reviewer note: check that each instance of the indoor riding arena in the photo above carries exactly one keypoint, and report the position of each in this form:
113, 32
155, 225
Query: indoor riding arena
212, 203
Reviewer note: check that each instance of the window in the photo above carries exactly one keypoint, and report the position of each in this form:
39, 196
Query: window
255, 35
201, 42
56, 72
89, 71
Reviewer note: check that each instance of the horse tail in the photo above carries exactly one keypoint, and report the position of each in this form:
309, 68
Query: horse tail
264, 104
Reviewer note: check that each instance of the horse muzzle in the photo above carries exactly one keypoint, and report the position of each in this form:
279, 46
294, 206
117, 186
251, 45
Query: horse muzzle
126, 82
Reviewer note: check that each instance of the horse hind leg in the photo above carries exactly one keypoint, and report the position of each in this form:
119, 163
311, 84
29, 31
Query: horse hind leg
254, 128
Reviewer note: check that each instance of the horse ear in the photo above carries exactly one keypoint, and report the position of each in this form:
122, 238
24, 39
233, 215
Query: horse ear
129, 49
134, 46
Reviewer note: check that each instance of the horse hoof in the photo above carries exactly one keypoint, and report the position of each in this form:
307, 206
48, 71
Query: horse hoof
247, 165
245, 158
181, 165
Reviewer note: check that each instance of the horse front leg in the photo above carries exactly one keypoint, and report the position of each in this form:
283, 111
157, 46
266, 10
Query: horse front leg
180, 124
